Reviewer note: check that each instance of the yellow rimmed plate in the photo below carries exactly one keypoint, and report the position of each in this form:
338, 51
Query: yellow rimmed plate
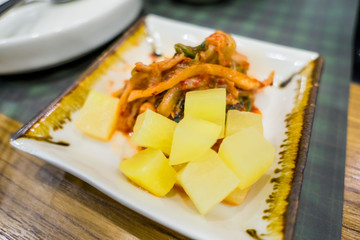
269, 211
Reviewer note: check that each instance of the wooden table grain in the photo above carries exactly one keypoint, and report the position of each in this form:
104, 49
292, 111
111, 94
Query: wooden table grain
40, 201
351, 209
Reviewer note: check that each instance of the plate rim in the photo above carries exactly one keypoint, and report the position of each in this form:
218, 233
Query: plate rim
303, 150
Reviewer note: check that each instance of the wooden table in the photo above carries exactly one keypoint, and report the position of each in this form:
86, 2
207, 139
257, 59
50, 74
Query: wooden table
351, 214
39, 201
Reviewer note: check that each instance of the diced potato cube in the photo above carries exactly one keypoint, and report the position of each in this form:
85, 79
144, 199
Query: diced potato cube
209, 105
237, 196
248, 154
207, 181
192, 138
150, 169
153, 130
237, 120
98, 116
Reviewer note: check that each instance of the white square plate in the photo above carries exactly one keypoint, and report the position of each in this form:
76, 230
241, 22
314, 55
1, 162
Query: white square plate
287, 115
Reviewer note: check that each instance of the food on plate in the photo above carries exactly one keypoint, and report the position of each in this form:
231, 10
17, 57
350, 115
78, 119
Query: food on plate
161, 86
206, 176
194, 117
153, 130
208, 105
192, 138
207, 181
98, 116
237, 196
150, 169
236, 120
248, 154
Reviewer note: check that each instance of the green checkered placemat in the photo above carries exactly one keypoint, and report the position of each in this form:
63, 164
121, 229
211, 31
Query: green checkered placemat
323, 26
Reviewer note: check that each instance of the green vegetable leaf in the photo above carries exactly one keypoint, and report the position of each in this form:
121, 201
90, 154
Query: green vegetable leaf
189, 51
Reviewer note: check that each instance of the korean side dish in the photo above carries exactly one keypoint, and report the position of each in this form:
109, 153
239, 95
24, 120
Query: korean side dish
194, 120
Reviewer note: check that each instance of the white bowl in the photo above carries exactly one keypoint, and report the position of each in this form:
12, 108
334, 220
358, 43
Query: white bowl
42, 35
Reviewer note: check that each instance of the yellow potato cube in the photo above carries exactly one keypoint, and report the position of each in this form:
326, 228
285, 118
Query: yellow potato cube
248, 154
209, 105
153, 130
207, 181
237, 196
98, 116
150, 169
192, 138
237, 120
